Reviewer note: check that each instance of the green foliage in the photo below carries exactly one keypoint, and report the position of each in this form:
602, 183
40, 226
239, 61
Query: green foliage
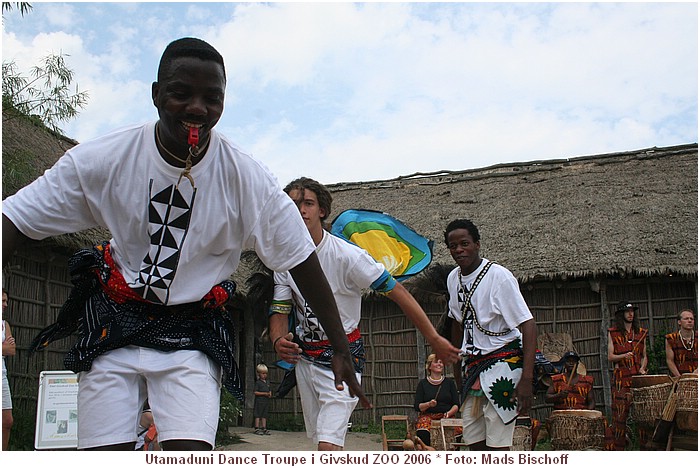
394, 429
229, 412
370, 428
657, 355
45, 92
23, 7
22, 434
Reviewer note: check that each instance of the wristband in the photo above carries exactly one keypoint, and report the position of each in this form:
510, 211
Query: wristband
274, 343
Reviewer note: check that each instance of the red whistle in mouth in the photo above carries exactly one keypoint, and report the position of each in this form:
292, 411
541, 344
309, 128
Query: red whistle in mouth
193, 139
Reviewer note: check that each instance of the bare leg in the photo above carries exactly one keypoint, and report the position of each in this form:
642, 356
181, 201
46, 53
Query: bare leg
122, 447
327, 446
185, 445
482, 447
7, 422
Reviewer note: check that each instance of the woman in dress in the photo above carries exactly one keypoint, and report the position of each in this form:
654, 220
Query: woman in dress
436, 398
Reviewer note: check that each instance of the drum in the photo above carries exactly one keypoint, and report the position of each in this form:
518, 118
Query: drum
576, 429
640, 381
436, 435
522, 435
687, 406
649, 396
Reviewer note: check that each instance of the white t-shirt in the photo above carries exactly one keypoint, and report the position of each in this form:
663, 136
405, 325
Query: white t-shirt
498, 303
171, 244
349, 269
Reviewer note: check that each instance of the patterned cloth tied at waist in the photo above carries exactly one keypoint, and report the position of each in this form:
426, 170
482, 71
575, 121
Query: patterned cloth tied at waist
475, 364
321, 352
107, 315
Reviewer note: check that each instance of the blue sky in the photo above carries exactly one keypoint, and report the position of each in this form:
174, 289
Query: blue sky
368, 91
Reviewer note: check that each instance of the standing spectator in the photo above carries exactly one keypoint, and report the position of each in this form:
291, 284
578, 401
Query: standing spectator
182, 203
682, 346
261, 404
8, 349
627, 352
350, 271
498, 338
436, 398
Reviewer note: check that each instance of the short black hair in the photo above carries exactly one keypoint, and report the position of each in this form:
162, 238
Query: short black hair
188, 47
463, 224
325, 199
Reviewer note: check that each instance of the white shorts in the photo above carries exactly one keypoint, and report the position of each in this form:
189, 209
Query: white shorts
6, 395
487, 425
182, 387
326, 410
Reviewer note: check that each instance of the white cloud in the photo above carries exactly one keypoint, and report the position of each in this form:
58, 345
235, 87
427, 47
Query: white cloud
375, 90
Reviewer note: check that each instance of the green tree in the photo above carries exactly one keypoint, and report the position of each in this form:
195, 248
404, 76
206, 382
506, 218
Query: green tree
45, 92
23, 7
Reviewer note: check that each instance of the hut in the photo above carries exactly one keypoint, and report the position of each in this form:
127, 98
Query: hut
36, 277
579, 234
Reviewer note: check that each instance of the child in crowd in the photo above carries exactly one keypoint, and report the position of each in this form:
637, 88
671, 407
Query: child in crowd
262, 400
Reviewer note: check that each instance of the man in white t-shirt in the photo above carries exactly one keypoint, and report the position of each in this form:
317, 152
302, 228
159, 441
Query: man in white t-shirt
498, 339
349, 270
181, 203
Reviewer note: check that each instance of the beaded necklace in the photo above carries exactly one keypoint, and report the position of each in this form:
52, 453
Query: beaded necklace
690, 341
435, 381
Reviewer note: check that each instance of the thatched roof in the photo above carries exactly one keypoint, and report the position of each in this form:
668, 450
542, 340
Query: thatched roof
632, 213
28, 149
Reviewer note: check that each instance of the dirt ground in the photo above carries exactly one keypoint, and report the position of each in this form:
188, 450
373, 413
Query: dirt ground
296, 441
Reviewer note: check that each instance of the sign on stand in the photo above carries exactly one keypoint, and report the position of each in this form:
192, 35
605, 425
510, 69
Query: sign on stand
57, 411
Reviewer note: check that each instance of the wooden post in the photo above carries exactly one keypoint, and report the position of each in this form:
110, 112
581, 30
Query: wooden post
420, 354
604, 364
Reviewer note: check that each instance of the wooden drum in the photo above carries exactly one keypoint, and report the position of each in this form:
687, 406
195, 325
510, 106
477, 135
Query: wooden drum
687, 405
576, 429
649, 396
522, 439
436, 435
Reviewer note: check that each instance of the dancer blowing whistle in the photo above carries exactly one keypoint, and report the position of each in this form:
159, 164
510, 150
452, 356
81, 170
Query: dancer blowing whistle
151, 300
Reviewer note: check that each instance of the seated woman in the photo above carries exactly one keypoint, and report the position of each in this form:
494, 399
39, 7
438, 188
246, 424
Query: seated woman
569, 390
436, 398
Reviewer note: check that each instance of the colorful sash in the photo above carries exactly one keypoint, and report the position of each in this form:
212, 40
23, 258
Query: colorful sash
497, 373
108, 315
321, 352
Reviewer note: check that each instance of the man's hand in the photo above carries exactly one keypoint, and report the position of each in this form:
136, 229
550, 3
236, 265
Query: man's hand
444, 350
287, 349
344, 371
523, 395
